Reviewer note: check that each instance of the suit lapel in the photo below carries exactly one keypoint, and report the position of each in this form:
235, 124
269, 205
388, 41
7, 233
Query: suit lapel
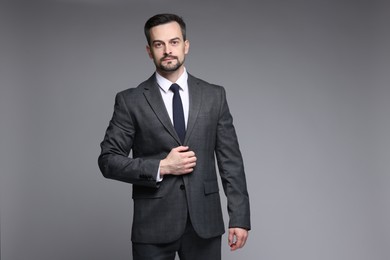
153, 96
195, 100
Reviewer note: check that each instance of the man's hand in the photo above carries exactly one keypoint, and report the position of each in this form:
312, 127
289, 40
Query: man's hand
237, 238
179, 161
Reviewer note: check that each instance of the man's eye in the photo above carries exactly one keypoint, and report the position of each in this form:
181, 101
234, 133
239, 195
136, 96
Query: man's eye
157, 45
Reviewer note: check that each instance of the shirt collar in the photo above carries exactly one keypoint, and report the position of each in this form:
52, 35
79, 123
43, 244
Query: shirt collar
166, 84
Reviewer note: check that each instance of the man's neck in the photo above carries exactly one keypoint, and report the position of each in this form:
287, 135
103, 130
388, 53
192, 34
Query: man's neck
172, 76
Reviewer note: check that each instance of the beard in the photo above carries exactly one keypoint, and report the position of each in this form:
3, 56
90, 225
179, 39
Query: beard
171, 65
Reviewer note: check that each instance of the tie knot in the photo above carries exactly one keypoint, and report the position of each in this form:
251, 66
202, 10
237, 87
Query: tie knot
175, 88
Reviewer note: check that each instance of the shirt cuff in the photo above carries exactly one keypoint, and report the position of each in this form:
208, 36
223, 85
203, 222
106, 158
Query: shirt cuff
158, 178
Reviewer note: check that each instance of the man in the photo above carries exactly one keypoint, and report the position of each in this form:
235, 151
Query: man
175, 134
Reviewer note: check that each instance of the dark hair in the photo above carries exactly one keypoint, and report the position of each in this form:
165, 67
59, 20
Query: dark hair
163, 19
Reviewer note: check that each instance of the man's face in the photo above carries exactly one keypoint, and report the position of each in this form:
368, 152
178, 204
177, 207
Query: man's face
167, 47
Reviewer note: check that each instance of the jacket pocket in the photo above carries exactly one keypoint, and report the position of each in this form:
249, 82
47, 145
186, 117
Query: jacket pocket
211, 187
140, 192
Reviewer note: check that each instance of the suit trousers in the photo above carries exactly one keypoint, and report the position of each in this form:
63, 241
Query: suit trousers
189, 247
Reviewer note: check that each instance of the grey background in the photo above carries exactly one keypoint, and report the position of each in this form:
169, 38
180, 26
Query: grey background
308, 86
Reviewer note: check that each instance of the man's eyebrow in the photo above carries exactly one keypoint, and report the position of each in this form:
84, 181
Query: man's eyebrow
157, 41
174, 39
161, 41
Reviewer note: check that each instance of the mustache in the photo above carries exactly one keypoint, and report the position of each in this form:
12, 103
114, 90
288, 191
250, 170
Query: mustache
168, 56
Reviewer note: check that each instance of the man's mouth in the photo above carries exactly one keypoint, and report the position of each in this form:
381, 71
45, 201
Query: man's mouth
169, 58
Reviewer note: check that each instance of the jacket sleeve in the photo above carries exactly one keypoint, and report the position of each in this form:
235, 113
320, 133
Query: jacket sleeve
114, 161
231, 168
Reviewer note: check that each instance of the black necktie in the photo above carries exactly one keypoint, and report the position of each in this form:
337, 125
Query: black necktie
178, 114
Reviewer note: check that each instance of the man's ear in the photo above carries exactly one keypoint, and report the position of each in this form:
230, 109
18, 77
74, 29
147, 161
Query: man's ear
186, 46
149, 51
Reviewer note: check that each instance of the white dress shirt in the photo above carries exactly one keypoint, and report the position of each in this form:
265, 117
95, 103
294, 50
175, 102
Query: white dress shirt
167, 94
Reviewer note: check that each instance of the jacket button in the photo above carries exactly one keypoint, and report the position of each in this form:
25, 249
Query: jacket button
182, 187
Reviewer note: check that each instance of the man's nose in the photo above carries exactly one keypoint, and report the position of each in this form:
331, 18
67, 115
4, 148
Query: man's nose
168, 50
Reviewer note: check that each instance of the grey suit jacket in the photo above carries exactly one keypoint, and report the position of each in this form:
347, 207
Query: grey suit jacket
140, 123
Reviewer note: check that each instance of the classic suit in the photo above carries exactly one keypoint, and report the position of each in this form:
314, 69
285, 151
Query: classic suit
141, 124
